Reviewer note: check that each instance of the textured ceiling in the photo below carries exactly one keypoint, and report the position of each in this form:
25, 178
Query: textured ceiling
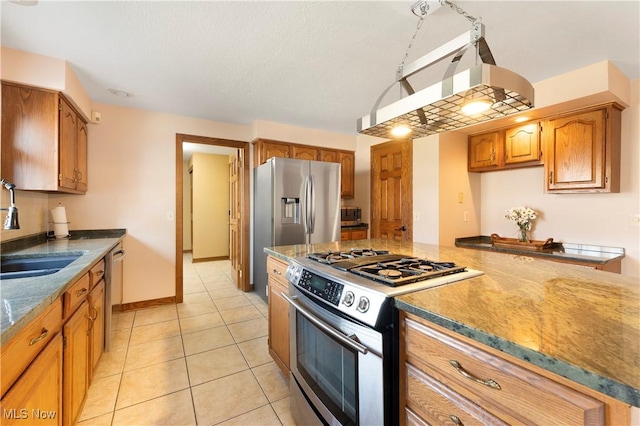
313, 64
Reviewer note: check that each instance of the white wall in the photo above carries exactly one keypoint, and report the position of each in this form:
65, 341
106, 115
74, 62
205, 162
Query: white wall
210, 206
132, 163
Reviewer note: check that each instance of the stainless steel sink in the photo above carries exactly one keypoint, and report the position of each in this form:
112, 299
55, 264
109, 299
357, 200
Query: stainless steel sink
24, 267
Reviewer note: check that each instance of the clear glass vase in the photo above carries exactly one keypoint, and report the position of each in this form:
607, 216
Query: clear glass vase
524, 234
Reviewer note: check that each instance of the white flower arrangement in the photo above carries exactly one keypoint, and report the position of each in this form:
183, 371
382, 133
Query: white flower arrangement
523, 217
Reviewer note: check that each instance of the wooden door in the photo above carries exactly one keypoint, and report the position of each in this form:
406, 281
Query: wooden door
347, 174
522, 144
391, 190
96, 317
304, 152
235, 216
485, 151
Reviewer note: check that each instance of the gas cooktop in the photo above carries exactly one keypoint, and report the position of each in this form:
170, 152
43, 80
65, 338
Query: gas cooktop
389, 269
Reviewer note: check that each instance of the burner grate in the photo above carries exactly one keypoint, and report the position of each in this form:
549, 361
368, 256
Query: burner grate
406, 270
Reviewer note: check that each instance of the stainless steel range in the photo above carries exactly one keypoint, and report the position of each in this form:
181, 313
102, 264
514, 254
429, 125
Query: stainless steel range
344, 331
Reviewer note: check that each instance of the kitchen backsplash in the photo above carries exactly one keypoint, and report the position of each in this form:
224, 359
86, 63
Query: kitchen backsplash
32, 214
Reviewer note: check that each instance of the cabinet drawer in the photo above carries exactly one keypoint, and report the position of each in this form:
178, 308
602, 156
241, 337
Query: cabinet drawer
358, 234
437, 404
23, 348
345, 235
496, 384
76, 294
96, 273
277, 269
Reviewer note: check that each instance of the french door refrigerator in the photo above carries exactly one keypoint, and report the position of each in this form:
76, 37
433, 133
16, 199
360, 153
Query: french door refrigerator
295, 202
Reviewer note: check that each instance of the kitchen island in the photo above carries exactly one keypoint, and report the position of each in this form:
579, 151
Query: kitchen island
581, 324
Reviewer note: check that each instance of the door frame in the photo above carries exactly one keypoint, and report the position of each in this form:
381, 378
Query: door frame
245, 146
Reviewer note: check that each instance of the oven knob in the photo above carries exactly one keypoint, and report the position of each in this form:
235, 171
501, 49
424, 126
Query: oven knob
348, 298
363, 304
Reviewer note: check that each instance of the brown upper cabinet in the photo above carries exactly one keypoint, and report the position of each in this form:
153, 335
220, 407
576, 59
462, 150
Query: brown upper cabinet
582, 150
265, 149
44, 140
509, 148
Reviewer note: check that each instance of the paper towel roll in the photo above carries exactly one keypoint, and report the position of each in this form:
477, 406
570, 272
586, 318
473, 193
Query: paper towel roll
60, 224
60, 230
59, 214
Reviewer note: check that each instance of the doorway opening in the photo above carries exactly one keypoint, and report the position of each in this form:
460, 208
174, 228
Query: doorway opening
240, 204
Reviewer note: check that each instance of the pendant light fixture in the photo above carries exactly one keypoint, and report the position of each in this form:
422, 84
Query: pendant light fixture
480, 93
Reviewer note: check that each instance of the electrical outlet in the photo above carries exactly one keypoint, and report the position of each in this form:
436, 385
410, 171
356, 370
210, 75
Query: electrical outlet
465, 216
460, 197
635, 219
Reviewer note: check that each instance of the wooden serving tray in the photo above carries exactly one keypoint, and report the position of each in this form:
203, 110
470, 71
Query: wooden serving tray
498, 241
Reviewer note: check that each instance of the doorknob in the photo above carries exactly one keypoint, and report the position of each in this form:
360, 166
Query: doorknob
402, 228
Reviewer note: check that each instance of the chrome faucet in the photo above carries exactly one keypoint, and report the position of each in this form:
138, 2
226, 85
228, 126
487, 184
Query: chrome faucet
11, 222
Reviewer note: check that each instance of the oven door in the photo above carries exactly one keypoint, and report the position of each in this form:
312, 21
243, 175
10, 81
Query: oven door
336, 366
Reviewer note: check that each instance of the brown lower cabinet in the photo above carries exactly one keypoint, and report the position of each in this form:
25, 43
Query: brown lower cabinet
278, 313
76, 364
353, 234
36, 398
45, 373
447, 379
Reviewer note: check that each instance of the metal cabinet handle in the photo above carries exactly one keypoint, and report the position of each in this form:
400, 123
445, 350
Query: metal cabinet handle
275, 271
489, 382
456, 420
82, 292
44, 333
324, 327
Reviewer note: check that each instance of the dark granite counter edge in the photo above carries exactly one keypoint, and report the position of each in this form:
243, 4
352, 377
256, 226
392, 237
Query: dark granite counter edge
35, 239
485, 244
359, 226
593, 381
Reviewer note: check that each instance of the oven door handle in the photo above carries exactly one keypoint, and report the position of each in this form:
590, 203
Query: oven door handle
348, 341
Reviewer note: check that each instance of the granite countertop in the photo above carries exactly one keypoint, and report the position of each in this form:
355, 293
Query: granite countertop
579, 323
25, 298
584, 253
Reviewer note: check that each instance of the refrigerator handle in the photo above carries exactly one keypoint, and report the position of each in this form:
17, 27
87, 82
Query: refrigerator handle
306, 208
312, 210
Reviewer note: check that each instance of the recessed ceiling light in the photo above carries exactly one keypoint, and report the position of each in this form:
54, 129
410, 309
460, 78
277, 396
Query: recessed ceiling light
120, 93
521, 119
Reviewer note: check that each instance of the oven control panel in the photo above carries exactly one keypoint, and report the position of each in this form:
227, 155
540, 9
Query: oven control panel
325, 289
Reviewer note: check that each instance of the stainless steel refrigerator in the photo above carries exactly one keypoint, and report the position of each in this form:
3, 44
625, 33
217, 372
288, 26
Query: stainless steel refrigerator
295, 202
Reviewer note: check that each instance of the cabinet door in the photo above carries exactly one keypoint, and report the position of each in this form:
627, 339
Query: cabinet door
345, 235
274, 149
582, 153
96, 318
304, 153
36, 398
68, 146
347, 176
485, 151
278, 324
29, 137
76, 364
358, 234
522, 144
81, 160
329, 156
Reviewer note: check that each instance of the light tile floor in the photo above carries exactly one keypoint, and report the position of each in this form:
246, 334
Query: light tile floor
202, 362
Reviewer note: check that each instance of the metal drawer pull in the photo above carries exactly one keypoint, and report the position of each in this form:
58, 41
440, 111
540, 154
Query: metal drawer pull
81, 292
489, 382
326, 328
275, 271
44, 333
455, 420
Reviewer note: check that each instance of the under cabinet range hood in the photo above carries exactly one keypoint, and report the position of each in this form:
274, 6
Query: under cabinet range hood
488, 91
